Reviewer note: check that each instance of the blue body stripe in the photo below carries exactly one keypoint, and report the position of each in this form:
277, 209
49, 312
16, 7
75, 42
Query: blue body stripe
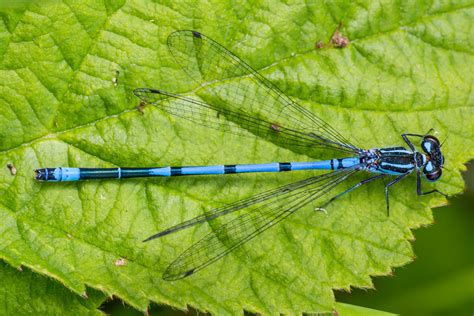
264, 167
68, 174
349, 162
202, 170
163, 172
395, 169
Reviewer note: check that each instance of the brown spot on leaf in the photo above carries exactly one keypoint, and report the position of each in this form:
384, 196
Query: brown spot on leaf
337, 39
276, 127
141, 107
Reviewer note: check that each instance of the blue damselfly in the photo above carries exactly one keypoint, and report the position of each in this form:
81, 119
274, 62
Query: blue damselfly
253, 105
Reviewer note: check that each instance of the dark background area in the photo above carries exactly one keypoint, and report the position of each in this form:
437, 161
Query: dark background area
439, 282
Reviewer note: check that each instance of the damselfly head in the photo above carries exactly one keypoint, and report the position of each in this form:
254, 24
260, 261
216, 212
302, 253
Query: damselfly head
433, 167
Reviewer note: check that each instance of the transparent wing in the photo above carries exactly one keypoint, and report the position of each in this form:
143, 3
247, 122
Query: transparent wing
235, 86
257, 214
235, 122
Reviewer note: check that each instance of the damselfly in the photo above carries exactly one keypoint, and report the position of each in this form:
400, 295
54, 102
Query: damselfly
253, 105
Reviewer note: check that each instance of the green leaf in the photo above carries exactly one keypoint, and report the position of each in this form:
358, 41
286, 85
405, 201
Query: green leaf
23, 292
407, 69
353, 310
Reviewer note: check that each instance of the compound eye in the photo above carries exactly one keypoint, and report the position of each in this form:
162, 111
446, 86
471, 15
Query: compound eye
433, 175
428, 167
429, 143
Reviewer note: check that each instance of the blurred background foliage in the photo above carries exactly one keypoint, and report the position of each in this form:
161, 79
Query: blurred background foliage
439, 282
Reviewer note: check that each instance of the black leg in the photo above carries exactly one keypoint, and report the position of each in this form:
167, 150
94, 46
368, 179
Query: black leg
418, 187
352, 188
409, 143
388, 186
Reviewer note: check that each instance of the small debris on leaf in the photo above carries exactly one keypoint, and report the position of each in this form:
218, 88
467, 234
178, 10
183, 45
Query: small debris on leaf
337, 39
319, 45
276, 127
12, 169
115, 79
320, 209
141, 107
120, 262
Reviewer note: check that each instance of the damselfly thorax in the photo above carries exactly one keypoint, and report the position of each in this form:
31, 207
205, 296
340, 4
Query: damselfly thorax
399, 160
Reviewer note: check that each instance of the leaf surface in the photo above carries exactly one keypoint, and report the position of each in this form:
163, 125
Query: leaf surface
408, 68
24, 292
